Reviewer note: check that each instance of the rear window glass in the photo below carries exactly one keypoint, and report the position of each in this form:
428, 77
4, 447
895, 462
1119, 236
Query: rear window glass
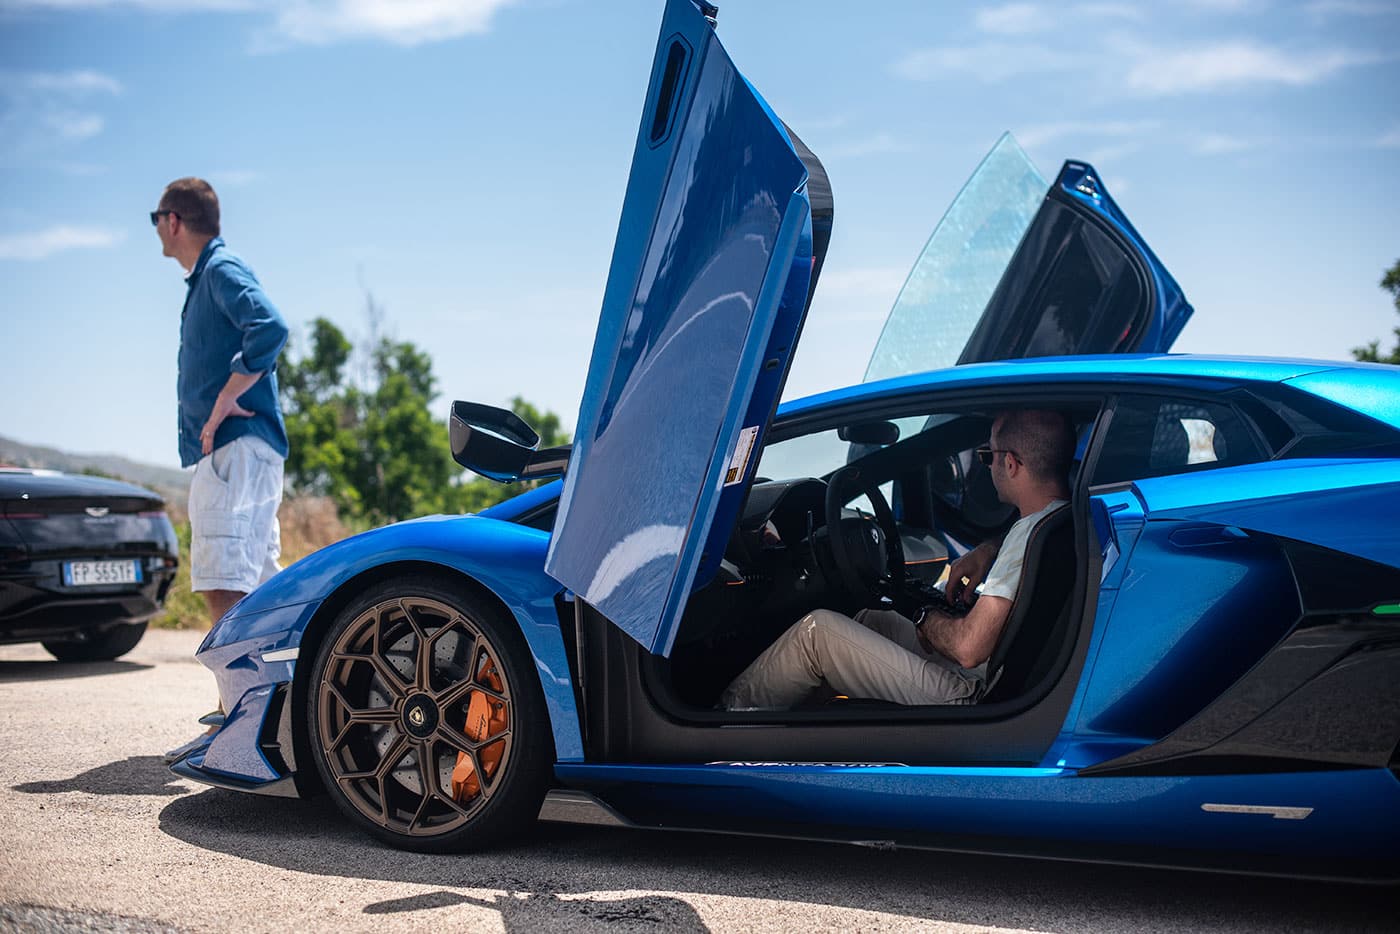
1153, 436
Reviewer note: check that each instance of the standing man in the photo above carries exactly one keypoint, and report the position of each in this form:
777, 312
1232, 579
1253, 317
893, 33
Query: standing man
230, 422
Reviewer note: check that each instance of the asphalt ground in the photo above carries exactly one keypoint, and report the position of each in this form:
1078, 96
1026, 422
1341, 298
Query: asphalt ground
99, 836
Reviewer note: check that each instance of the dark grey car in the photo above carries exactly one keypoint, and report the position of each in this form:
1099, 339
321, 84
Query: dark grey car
85, 562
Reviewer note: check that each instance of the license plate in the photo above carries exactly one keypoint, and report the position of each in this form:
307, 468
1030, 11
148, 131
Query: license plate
92, 573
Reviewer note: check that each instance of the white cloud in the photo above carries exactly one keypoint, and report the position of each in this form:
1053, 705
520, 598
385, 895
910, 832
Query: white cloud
1109, 10
819, 124
233, 178
1013, 19
1324, 9
863, 282
990, 62
1039, 135
1119, 185
1111, 154
321, 22
44, 243
403, 22
874, 145
72, 126
68, 82
1235, 64
1390, 140
164, 6
50, 84
1220, 144
1226, 6
40, 110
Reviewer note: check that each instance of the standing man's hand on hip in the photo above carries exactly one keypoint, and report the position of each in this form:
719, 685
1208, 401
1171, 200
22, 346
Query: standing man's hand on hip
226, 405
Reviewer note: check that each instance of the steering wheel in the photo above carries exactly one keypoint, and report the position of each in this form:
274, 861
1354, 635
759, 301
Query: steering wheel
867, 592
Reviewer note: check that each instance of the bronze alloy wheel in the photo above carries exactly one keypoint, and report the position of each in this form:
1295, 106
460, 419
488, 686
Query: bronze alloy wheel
415, 716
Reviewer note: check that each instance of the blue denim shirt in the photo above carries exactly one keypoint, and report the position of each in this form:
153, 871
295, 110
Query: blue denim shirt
228, 326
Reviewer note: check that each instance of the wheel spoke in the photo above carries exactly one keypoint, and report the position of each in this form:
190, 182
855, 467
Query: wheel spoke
423, 668
429, 787
454, 694
387, 672
362, 714
392, 757
456, 738
452, 803
390, 676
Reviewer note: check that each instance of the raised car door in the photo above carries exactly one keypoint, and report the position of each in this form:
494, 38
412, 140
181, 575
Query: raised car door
1016, 270
710, 281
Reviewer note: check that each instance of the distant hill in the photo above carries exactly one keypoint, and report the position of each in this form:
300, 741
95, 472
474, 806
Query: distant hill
168, 482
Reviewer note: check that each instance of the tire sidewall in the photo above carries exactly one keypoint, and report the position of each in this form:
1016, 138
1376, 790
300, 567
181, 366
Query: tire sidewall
107, 645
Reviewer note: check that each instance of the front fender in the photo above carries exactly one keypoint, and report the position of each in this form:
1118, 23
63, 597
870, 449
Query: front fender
506, 559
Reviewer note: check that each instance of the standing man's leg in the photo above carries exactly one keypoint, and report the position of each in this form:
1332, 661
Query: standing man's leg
220, 601
234, 535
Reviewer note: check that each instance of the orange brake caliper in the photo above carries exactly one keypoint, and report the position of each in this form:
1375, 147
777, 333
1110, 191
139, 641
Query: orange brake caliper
486, 716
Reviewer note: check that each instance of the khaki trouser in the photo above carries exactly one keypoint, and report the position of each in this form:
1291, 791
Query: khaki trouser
876, 655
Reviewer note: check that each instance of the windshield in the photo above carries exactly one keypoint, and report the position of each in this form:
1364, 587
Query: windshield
955, 276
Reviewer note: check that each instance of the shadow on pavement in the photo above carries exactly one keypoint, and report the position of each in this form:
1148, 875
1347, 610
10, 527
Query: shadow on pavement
558, 861
138, 775
526, 911
54, 670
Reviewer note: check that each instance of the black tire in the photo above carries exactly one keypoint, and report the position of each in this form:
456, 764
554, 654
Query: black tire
388, 723
102, 647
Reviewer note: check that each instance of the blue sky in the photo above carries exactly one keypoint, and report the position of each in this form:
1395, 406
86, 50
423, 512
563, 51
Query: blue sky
464, 161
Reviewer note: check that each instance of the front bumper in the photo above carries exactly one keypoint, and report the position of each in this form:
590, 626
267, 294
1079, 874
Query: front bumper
254, 749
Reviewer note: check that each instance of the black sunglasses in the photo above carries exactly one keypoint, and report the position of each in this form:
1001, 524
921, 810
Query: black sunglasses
987, 455
156, 215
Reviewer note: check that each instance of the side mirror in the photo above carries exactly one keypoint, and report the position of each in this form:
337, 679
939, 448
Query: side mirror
497, 443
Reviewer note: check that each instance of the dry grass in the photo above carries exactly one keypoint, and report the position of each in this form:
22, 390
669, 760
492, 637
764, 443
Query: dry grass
308, 524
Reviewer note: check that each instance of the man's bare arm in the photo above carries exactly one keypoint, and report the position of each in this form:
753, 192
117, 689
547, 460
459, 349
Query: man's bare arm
967, 640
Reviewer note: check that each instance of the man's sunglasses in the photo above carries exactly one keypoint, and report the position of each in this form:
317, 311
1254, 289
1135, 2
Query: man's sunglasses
987, 455
156, 215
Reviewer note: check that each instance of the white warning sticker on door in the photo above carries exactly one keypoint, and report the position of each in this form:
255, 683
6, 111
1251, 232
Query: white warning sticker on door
739, 462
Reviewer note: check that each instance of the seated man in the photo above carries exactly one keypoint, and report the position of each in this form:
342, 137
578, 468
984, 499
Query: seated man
942, 660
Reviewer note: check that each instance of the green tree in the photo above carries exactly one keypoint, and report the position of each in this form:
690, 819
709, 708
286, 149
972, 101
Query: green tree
320, 413
373, 445
1371, 353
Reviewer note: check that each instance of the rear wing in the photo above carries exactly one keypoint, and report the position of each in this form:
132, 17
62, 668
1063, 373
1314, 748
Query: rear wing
498, 444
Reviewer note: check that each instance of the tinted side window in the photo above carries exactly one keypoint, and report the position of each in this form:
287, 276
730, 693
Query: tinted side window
1153, 436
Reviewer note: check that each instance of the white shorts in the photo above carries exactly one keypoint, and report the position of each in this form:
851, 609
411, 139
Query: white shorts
234, 537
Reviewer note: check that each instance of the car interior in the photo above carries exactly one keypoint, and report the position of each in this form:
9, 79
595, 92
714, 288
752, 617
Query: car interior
870, 514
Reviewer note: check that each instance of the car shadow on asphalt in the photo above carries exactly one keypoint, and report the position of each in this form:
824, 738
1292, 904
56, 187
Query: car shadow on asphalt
546, 911
11, 672
137, 775
583, 864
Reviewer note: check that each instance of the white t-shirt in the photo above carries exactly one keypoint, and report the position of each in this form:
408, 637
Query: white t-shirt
1005, 575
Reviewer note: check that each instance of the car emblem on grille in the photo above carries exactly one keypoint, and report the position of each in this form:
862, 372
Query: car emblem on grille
97, 512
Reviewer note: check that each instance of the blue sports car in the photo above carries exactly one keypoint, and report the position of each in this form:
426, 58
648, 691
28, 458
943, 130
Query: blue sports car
1202, 666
